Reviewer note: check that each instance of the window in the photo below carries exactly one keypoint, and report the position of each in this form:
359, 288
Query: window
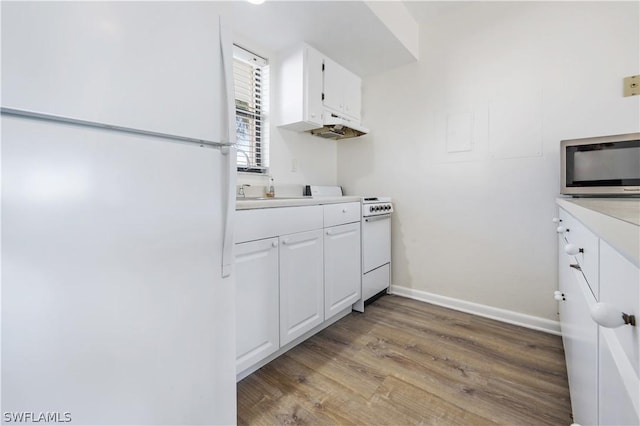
250, 75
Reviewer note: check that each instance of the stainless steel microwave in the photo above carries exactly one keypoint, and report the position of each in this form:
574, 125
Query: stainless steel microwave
606, 165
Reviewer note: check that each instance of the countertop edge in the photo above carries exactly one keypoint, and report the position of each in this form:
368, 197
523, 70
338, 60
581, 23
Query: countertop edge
622, 235
293, 202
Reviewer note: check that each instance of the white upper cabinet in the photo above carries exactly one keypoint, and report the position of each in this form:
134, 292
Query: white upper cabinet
300, 86
311, 85
342, 91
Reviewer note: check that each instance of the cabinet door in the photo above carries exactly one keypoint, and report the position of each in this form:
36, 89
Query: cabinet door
619, 368
313, 86
616, 404
580, 338
333, 86
256, 301
342, 270
301, 284
352, 96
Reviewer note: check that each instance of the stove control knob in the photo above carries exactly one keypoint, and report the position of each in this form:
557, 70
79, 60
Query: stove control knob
371, 208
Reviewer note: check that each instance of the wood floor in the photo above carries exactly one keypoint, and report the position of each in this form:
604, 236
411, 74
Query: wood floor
404, 362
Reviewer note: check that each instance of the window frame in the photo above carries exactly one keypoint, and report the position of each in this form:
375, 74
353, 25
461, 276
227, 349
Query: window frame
256, 146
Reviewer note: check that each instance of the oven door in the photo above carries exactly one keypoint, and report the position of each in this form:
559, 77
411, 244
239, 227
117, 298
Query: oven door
376, 242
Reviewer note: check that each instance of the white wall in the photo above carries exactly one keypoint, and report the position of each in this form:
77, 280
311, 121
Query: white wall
511, 80
296, 158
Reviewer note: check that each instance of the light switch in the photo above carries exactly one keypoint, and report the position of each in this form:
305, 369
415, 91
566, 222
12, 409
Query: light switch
632, 85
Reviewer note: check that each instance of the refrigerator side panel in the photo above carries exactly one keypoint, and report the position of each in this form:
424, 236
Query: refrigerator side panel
113, 305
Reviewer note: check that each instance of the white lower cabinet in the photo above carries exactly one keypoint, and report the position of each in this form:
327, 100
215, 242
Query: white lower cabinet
298, 269
616, 407
301, 284
257, 304
342, 268
580, 339
619, 355
603, 364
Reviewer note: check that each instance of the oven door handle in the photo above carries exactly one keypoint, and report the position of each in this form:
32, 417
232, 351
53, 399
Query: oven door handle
376, 218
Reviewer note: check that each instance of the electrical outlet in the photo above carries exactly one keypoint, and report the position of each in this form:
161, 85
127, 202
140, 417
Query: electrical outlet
632, 85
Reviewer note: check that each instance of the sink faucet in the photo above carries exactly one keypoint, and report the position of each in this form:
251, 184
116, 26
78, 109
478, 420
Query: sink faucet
241, 189
246, 156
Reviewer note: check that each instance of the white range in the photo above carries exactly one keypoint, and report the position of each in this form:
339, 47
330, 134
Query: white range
376, 248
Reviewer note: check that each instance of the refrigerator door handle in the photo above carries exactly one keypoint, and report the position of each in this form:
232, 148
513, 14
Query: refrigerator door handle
229, 152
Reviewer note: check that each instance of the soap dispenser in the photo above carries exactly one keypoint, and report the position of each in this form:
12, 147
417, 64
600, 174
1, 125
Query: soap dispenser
271, 192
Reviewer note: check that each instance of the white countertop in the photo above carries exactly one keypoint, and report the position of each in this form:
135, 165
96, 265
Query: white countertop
615, 220
247, 204
627, 209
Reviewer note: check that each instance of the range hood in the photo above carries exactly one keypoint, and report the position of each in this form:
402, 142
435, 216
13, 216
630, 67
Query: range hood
336, 127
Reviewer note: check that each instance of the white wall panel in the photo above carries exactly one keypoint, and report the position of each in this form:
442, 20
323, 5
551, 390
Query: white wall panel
469, 225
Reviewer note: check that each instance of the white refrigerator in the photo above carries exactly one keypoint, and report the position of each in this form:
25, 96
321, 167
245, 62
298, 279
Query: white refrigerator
117, 206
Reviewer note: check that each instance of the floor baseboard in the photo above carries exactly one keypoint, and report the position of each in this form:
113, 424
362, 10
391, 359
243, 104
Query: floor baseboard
511, 317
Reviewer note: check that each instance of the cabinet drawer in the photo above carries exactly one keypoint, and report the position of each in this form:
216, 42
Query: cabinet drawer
375, 281
257, 224
620, 287
619, 367
580, 237
338, 214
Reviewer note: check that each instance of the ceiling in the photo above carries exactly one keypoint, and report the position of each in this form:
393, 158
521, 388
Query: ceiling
346, 31
424, 11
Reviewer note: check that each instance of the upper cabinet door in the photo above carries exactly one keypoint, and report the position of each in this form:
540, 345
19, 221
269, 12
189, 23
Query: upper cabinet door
313, 86
333, 87
342, 90
352, 96
153, 66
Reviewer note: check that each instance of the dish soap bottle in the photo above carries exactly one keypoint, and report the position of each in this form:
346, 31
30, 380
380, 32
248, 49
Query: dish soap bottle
271, 192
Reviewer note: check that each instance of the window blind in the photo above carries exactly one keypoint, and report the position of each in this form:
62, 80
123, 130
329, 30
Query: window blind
249, 72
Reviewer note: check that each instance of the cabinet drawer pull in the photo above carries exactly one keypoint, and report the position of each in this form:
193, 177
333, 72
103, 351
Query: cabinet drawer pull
572, 249
340, 232
575, 266
607, 315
